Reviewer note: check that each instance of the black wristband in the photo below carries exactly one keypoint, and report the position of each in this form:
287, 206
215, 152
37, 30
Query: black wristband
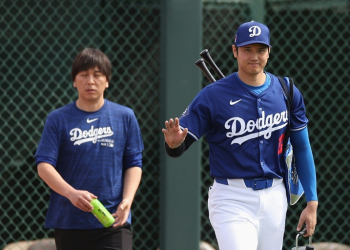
174, 152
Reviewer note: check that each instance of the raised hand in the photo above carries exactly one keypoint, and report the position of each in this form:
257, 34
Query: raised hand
173, 134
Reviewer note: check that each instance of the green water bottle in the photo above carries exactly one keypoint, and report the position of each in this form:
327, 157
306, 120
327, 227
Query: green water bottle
101, 213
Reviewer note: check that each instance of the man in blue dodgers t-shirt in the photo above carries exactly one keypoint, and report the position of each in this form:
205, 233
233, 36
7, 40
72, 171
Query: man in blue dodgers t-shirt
244, 118
91, 148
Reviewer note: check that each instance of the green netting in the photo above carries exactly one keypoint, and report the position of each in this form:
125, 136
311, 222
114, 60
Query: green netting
309, 44
39, 40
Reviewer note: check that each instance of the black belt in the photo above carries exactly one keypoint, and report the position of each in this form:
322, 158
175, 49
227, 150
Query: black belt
255, 184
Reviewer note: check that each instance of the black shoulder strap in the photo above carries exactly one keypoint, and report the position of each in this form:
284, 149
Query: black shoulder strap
289, 95
291, 91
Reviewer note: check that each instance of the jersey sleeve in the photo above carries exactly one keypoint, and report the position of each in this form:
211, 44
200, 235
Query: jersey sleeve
48, 147
298, 112
197, 116
305, 163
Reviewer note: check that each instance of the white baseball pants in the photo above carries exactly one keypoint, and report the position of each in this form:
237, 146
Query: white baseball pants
244, 219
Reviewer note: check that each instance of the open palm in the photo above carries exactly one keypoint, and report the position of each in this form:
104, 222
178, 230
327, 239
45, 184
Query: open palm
173, 134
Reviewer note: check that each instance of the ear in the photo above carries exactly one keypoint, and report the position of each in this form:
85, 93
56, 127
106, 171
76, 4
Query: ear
107, 85
234, 50
74, 85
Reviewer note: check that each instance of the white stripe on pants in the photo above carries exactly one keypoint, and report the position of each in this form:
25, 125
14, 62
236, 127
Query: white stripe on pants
244, 219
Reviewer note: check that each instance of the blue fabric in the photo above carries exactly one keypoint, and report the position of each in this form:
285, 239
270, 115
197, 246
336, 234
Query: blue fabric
91, 151
252, 32
255, 184
304, 162
258, 184
244, 129
258, 89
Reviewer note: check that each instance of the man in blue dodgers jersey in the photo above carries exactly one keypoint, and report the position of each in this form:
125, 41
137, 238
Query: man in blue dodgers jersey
244, 118
90, 148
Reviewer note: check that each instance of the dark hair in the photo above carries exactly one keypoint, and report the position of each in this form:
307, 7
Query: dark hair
90, 58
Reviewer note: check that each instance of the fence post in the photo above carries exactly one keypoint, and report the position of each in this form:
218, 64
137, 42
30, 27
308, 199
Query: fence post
181, 29
257, 8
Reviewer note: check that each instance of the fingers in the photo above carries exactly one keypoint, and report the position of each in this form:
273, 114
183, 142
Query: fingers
119, 220
169, 124
173, 134
311, 217
300, 225
172, 123
310, 227
121, 215
177, 122
85, 201
92, 196
185, 131
81, 199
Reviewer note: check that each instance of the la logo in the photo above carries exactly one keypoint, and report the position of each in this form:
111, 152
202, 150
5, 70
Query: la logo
255, 31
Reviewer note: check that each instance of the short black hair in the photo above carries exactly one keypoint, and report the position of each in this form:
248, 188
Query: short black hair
89, 58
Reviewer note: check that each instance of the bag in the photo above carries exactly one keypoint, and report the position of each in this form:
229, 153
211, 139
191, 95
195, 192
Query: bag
293, 186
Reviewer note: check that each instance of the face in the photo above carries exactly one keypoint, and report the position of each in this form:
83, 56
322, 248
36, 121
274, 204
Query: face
91, 85
251, 58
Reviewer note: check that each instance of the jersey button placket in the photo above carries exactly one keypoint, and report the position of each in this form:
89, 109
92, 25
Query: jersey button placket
260, 115
261, 140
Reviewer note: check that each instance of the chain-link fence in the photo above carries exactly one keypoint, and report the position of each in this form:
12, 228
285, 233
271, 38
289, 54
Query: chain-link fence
309, 43
39, 40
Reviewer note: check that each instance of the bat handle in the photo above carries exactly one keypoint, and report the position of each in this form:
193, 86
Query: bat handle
206, 56
201, 65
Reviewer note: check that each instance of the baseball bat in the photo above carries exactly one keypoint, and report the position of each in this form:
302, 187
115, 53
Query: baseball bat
206, 56
201, 65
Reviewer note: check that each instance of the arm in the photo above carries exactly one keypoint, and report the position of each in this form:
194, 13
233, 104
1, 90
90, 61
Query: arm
306, 170
176, 152
79, 198
132, 180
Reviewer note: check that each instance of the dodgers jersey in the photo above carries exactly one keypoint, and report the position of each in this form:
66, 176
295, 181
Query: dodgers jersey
91, 151
244, 130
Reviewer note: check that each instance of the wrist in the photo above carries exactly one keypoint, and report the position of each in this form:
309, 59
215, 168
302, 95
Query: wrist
312, 204
174, 146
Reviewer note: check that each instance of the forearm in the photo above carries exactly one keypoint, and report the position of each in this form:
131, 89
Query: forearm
53, 179
305, 163
176, 152
132, 180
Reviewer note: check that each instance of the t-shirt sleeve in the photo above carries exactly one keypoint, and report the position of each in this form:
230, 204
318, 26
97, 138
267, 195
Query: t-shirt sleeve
134, 144
48, 147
